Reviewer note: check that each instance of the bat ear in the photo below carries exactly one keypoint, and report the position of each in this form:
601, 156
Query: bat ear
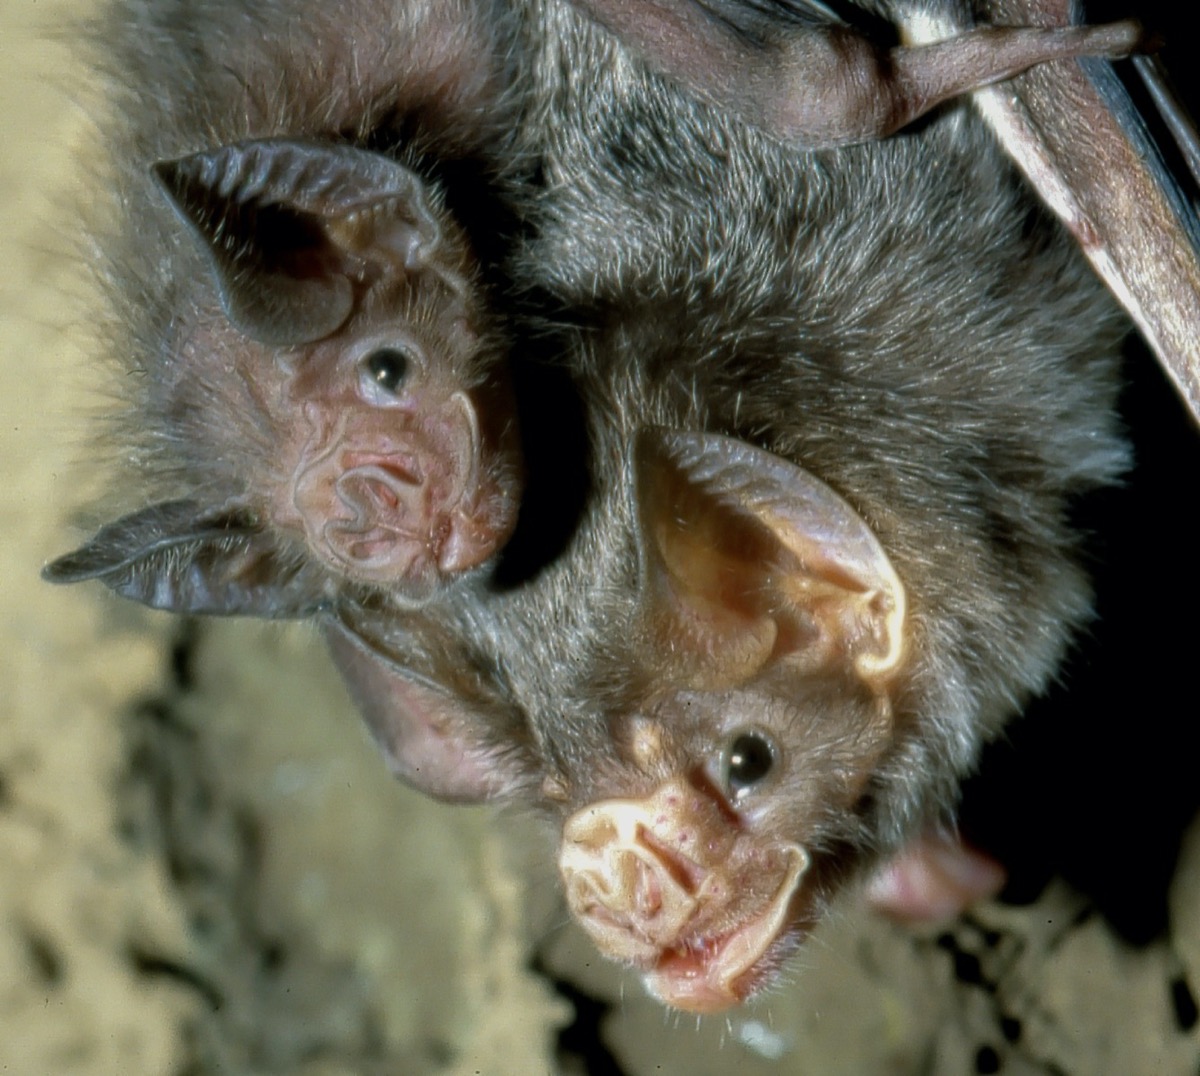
292, 226
749, 559
432, 739
182, 558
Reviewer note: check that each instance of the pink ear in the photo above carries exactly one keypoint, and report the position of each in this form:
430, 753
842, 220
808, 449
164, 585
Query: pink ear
934, 878
748, 558
433, 741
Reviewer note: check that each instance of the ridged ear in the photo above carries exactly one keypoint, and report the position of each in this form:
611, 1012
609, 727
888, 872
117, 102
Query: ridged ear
748, 559
292, 228
181, 557
433, 740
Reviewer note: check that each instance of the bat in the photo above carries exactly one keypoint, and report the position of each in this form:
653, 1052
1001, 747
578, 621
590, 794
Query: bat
824, 550
301, 300
811, 74
839, 406
801, 71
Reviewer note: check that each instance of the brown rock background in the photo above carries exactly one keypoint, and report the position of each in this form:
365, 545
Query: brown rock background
205, 869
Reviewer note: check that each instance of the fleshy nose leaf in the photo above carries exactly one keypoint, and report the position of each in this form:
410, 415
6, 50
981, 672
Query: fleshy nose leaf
669, 884
631, 894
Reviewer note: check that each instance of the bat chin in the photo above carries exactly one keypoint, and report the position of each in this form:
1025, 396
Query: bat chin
715, 974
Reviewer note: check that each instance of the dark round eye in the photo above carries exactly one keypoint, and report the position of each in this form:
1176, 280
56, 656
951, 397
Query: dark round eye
750, 759
388, 367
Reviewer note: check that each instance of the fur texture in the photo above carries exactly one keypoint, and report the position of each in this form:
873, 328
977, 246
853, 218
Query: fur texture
213, 414
900, 320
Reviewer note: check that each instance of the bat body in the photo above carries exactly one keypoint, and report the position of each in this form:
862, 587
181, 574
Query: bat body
833, 409
804, 73
838, 406
815, 74
301, 299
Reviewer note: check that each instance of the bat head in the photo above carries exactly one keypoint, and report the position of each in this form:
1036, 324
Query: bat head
352, 380
748, 706
707, 741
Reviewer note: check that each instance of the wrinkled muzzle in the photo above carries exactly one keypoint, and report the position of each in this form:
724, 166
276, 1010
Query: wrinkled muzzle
405, 508
672, 884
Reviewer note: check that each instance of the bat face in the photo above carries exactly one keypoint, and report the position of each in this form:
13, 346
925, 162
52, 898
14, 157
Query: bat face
667, 884
768, 642
385, 467
350, 379
316, 379
390, 479
703, 881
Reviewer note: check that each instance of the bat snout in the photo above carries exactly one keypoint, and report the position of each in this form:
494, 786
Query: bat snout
386, 486
384, 518
631, 893
669, 884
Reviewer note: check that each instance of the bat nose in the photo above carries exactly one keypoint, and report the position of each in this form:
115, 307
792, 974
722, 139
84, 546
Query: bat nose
676, 884
626, 894
382, 489
629, 874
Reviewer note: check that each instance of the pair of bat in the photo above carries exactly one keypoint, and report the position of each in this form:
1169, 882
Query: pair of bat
781, 536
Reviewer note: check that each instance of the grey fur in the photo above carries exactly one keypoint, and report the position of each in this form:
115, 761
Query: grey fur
900, 319
427, 85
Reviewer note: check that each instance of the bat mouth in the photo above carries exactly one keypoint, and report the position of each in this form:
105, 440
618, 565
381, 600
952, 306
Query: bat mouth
712, 973
384, 497
374, 549
667, 885
397, 516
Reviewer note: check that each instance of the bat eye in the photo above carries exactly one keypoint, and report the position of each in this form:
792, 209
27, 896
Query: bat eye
751, 757
388, 367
